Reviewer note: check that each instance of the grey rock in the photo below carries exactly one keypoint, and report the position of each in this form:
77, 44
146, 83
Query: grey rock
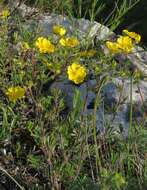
139, 59
112, 97
80, 27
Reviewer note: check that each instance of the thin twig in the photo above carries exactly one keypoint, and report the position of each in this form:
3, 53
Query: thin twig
3, 170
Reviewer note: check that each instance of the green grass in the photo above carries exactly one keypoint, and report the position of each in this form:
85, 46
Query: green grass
43, 144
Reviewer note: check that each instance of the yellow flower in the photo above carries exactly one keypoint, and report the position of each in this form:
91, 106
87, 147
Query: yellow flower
5, 13
89, 53
59, 30
133, 35
44, 45
125, 44
113, 47
76, 73
69, 42
15, 93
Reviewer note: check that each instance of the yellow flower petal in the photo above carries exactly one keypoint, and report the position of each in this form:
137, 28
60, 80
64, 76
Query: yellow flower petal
62, 42
113, 47
59, 30
14, 93
69, 42
133, 35
44, 45
125, 44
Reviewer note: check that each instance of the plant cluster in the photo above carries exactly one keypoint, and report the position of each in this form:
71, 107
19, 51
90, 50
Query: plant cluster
43, 143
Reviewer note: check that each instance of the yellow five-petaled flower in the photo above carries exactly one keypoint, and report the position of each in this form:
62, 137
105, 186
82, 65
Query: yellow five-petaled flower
76, 73
69, 42
59, 30
123, 44
113, 47
133, 35
44, 45
14, 93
